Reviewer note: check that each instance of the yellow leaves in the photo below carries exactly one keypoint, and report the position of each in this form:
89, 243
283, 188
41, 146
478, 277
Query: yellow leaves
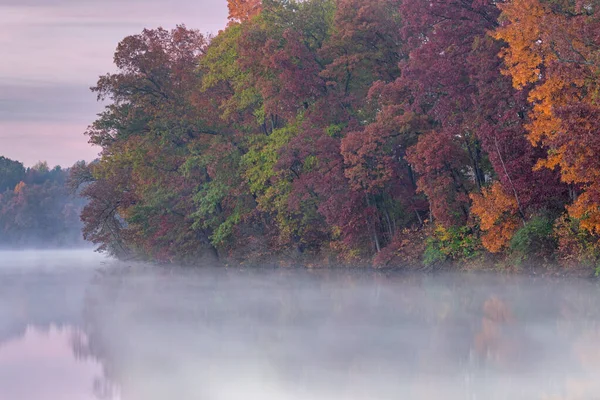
498, 213
442, 233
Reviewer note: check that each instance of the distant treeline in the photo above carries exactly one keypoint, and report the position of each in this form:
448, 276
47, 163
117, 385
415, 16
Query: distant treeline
36, 207
382, 130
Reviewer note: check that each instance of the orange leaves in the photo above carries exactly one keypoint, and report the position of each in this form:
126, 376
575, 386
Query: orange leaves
586, 210
498, 237
546, 127
492, 204
540, 46
242, 10
494, 341
498, 213
19, 187
524, 55
553, 47
529, 49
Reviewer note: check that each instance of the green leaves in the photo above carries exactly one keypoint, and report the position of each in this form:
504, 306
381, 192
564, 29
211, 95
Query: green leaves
451, 244
260, 161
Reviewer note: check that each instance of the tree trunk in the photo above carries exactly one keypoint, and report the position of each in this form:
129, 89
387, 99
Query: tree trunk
521, 214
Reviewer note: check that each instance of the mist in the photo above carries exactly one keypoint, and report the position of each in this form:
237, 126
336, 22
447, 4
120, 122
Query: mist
134, 331
37, 208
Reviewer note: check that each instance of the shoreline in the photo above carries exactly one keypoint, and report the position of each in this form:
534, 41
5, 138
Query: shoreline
546, 270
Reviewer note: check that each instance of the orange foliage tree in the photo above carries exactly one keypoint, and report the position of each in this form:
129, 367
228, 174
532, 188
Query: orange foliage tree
553, 48
499, 215
243, 10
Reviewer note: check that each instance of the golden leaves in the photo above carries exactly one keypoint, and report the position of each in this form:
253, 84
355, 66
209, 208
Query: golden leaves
498, 213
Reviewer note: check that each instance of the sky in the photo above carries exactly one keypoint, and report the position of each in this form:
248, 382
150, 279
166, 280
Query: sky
53, 51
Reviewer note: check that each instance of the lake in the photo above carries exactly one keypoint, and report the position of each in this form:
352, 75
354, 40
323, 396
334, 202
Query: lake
75, 326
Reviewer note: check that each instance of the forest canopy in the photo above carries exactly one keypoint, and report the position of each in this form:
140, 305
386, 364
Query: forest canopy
378, 130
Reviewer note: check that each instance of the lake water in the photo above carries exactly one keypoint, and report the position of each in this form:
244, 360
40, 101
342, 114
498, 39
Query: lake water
75, 326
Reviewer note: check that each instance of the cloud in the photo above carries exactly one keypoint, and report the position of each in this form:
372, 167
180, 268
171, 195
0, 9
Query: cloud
29, 102
75, 41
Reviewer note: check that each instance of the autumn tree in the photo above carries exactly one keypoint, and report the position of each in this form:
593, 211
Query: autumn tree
337, 127
477, 117
242, 10
552, 48
498, 212
140, 199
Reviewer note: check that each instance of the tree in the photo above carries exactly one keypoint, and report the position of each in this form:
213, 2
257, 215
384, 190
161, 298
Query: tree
498, 213
39, 210
340, 126
140, 199
242, 10
476, 117
11, 173
552, 47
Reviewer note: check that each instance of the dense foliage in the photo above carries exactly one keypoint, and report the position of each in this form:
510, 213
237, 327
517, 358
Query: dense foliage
36, 207
344, 128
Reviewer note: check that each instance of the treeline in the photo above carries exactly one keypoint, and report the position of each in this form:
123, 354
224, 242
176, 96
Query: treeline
384, 130
36, 207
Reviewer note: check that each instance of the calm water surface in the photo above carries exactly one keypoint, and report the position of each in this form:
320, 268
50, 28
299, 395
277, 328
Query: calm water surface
75, 326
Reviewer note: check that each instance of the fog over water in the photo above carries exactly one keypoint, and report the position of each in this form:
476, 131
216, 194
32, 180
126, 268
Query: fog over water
74, 325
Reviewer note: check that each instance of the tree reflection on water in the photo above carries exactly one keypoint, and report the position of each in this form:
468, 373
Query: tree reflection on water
42, 364
294, 334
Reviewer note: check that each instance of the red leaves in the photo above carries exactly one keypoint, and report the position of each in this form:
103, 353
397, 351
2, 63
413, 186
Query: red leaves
438, 161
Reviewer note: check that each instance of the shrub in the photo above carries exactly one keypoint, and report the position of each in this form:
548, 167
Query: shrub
406, 248
534, 240
451, 244
576, 245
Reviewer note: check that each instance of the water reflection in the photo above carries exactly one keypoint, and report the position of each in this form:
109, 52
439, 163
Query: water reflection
41, 364
332, 334
294, 334
42, 297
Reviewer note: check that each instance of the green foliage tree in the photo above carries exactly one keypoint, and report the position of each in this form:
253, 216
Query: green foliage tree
11, 173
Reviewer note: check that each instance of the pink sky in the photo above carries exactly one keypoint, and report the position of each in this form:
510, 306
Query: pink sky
54, 50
